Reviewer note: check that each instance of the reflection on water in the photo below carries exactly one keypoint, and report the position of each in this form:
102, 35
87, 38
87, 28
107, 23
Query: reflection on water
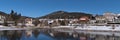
43, 34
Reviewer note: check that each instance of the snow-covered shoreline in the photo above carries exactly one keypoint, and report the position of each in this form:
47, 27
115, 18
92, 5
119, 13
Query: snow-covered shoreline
99, 28
91, 28
96, 30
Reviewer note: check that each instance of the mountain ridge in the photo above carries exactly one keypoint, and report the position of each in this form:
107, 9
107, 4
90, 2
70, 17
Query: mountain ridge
64, 14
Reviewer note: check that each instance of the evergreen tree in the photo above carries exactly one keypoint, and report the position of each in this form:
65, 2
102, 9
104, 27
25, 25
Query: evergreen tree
14, 16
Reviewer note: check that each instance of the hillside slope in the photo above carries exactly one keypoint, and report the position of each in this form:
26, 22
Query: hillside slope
68, 15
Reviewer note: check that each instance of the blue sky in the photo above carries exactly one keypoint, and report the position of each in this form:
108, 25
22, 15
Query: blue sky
36, 8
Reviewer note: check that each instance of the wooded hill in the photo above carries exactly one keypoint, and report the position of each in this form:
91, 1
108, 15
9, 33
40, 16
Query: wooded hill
54, 15
68, 15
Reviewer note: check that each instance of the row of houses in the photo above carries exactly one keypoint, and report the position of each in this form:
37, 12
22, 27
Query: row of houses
6, 21
107, 17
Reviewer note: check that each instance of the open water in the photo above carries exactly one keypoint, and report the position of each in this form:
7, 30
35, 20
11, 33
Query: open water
47, 34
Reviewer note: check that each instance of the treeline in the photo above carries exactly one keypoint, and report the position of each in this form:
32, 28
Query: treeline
15, 16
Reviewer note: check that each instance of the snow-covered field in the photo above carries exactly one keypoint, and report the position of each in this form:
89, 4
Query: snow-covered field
10, 28
64, 27
96, 30
99, 28
91, 28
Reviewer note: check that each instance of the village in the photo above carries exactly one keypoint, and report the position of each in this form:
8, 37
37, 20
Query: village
105, 19
59, 19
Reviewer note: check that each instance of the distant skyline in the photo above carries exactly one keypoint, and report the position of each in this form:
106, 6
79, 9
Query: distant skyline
37, 8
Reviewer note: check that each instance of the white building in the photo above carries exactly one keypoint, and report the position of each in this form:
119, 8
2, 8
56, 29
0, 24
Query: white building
2, 18
109, 16
28, 22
